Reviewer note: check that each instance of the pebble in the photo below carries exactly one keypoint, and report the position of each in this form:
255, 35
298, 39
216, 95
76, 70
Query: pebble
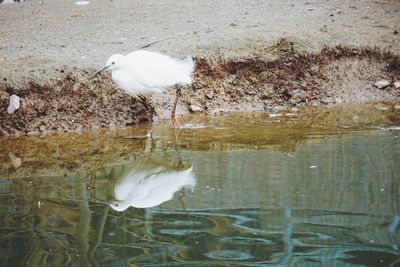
209, 94
4, 94
195, 108
14, 104
396, 85
268, 109
383, 108
271, 115
382, 84
295, 92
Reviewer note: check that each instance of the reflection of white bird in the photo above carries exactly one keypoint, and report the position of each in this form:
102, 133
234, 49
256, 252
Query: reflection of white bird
143, 73
150, 185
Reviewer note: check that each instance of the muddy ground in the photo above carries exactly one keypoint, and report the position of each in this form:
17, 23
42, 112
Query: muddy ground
250, 55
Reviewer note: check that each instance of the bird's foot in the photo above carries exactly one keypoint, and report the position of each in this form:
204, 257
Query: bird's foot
175, 122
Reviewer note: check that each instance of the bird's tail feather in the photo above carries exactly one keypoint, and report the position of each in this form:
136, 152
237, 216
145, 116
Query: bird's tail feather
189, 65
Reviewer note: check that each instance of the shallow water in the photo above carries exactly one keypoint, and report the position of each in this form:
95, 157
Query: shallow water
306, 187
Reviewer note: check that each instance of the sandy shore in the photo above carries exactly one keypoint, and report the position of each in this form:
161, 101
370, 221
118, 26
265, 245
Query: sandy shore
40, 37
57, 44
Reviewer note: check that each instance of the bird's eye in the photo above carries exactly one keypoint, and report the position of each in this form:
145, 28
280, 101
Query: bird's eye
112, 63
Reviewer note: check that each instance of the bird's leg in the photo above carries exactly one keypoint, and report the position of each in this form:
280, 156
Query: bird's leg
149, 111
175, 122
151, 114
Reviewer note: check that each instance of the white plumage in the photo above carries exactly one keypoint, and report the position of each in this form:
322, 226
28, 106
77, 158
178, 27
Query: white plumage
150, 185
143, 73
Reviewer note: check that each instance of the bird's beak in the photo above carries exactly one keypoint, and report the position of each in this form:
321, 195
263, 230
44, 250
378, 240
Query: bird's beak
101, 70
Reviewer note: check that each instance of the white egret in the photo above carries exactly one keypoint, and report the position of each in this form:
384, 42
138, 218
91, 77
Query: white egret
151, 183
143, 73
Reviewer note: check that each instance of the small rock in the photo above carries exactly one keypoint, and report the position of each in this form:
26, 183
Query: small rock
76, 86
15, 161
382, 84
383, 108
4, 95
195, 108
14, 104
209, 94
396, 85
273, 115
268, 109
397, 107
295, 92
198, 85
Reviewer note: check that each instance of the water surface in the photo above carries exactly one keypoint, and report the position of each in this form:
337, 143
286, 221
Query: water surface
305, 187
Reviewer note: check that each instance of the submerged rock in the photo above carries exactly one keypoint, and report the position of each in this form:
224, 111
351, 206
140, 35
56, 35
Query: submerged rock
15, 160
14, 104
382, 84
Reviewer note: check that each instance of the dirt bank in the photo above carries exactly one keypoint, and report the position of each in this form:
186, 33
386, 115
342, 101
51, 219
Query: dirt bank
334, 75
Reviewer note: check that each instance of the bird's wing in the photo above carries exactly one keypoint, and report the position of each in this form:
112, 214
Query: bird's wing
161, 187
159, 70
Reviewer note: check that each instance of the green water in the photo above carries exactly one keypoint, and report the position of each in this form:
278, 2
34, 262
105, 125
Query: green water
307, 187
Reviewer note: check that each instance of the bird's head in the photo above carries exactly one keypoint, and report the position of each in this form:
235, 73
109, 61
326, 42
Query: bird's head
114, 62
